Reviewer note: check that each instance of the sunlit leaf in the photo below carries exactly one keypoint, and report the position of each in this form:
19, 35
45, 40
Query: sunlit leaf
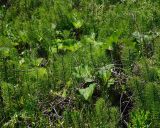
4, 51
77, 24
87, 92
110, 82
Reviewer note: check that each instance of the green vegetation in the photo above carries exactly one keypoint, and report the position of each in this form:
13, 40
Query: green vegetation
80, 63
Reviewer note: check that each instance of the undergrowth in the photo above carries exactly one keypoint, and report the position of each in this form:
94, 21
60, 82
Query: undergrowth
79, 64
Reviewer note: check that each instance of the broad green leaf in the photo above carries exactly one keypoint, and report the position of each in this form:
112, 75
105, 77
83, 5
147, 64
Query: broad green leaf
77, 24
38, 61
23, 36
64, 94
22, 61
111, 82
83, 72
38, 73
87, 92
53, 49
105, 73
42, 72
4, 51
